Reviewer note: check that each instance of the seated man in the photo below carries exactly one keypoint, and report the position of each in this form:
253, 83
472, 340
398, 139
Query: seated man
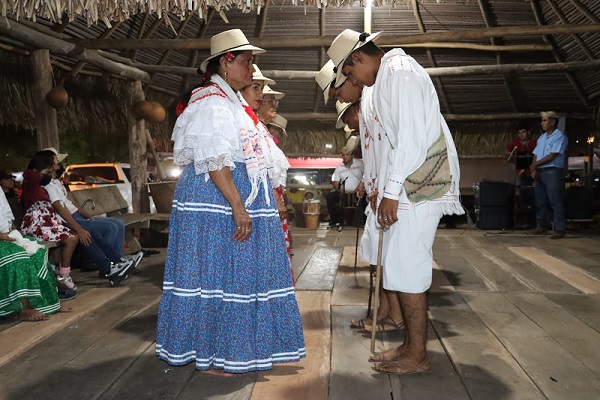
345, 179
104, 237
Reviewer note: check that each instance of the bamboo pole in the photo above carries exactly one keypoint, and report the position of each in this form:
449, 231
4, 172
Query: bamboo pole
448, 117
278, 42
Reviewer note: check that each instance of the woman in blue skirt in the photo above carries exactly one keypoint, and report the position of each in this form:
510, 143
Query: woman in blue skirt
228, 299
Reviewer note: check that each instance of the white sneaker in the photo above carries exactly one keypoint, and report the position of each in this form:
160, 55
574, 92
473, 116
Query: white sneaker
119, 272
136, 258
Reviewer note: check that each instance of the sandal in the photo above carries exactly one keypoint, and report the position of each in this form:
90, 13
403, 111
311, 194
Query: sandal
360, 324
386, 356
402, 367
386, 324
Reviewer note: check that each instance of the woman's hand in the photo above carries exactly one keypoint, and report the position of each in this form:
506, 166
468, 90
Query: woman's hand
84, 237
5, 238
243, 224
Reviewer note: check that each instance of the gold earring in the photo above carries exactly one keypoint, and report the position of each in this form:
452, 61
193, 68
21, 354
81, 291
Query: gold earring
226, 77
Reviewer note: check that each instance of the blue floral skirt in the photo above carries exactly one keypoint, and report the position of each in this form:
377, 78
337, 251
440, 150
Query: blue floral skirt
226, 305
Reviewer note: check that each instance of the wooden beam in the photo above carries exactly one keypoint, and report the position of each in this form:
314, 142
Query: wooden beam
277, 42
439, 71
45, 116
548, 39
475, 46
105, 35
448, 117
34, 38
322, 57
137, 150
437, 80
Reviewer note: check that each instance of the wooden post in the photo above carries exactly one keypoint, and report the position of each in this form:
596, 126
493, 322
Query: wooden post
137, 151
45, 116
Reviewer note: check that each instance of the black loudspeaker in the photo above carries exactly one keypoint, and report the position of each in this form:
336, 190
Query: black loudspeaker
492, 205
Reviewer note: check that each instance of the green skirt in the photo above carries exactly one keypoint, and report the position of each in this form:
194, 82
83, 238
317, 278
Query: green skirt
26, 277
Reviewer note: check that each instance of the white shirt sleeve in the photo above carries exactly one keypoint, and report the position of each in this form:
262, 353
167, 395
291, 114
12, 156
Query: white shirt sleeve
336, 175
404, 109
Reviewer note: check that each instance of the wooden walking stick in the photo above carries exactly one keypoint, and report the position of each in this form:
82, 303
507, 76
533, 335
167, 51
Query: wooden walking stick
377, 284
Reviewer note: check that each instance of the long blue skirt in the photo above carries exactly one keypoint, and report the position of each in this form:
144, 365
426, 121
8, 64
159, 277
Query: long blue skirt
226, 305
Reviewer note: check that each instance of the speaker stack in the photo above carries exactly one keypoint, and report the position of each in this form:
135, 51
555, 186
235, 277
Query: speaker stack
492, 205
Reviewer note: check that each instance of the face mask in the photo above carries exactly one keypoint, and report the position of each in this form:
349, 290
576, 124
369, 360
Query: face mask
46, 179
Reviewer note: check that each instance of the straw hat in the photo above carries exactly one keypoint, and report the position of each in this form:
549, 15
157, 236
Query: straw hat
351, 143
258, 76
348, 131
325, 78
343, 45
279, 122
549, 114
60, 157
341, 110
268, 90
231, 40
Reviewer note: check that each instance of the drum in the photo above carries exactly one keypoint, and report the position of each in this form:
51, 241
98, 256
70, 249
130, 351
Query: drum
312, 211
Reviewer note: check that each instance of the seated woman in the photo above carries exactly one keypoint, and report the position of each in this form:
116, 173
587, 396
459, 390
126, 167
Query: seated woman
41, 220
28, 288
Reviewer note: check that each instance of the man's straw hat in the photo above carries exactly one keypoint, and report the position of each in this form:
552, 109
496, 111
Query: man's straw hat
279, 122
325, 78
343, 45
231, 40
258, 76
341, 110
268, 90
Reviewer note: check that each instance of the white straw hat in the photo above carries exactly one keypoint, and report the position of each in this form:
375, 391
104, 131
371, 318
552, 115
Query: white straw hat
268, 90
341, 110
279, 122
325, 78
344, 44
351, 143
60, 157
231, 40
348, 131
258, 76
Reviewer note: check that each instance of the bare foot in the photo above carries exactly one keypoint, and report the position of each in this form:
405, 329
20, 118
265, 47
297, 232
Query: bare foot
218, 372
388, 355
361, 323
31, 315
387, 324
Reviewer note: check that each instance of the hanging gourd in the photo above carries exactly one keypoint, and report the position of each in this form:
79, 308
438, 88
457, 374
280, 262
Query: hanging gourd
142, 110
158, 113
57, 97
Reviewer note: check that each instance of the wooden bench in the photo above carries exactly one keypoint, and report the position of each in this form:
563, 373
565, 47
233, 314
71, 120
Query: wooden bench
108, 200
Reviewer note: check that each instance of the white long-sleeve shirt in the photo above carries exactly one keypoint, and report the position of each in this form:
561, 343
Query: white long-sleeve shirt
407, 122
366, 122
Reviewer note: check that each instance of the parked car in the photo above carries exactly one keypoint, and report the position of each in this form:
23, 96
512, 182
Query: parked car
86, 176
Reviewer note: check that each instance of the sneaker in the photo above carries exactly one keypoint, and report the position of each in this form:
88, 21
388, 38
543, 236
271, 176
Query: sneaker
136, 258
64, 295
558, 235
119, 272
66, 282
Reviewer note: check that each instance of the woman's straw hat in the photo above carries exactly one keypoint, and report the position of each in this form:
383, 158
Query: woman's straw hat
258, 76
343, 45
231, 40
268, 90
279, 122
341, 110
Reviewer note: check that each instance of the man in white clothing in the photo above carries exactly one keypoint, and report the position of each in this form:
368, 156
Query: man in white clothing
413, 193
346, 178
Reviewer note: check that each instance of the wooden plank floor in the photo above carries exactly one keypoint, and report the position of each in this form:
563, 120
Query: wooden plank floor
511, 317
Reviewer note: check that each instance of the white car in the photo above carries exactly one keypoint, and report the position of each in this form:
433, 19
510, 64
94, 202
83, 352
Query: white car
86, 176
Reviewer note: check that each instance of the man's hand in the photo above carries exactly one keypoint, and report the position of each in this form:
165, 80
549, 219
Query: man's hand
373, 200
360, 190
387, 213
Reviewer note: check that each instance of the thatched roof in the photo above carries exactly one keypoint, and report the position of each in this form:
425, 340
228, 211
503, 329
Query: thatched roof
491, 60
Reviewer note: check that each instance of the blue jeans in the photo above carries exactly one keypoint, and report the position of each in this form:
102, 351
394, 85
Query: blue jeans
102, 249
549, 194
